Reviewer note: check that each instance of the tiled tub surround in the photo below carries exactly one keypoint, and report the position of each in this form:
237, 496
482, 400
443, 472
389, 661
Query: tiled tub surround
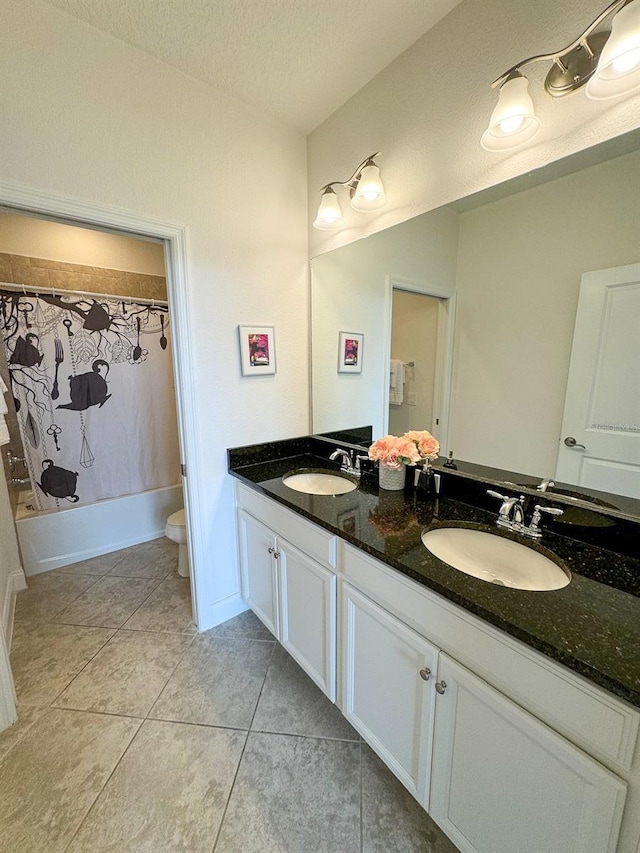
366, 609
591, 626
40, 272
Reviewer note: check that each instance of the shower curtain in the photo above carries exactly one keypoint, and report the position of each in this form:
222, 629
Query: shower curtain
92, 382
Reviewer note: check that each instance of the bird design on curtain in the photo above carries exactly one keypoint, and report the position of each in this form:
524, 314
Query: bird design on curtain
61, 351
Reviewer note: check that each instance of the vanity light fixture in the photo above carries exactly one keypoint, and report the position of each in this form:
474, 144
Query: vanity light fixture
366, 192
607, 61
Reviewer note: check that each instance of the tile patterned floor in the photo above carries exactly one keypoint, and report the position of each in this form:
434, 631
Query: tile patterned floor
137, 736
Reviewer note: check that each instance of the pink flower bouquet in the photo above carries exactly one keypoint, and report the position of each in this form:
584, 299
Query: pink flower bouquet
427, 446
394, 452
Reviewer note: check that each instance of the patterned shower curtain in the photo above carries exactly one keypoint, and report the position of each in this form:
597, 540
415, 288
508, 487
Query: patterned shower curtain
92, 382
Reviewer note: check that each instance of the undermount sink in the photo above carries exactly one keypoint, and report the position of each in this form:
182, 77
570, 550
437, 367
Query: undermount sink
319, 483
495, 559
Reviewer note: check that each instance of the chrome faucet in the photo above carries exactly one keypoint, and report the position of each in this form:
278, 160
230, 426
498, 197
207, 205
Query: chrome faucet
545, 484
347, 462
533, 529
12, 460
511, 515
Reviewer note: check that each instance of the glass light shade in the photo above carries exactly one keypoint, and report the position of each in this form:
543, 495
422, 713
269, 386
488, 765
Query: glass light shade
329, 213
513, 121
618, 70
369, 194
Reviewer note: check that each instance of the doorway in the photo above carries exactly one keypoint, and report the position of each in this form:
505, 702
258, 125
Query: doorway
86, 356
420, 336
170, 240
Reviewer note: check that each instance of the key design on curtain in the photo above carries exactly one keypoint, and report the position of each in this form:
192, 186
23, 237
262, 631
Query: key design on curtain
96, 341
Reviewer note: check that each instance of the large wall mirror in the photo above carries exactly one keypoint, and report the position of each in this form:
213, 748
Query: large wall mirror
534, 327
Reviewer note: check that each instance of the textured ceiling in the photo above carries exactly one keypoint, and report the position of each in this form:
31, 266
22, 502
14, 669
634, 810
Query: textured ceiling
297, 59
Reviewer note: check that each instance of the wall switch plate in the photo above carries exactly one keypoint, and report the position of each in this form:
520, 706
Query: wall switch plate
412, 398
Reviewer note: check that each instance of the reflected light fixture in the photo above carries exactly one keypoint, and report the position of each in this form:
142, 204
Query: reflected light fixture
366, 192
606, 61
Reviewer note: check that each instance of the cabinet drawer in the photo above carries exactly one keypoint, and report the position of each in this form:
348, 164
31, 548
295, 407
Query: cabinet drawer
603, 726
313, 540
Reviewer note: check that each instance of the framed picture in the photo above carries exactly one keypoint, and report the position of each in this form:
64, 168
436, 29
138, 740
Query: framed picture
257, 350
350, 352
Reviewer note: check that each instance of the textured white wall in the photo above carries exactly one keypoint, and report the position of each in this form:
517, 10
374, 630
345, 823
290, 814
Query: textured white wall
41, 238
427, 110
351, 293
89, 117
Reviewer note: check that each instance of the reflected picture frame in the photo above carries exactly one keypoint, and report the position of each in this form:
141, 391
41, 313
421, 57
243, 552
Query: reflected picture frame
257, 350
350, 346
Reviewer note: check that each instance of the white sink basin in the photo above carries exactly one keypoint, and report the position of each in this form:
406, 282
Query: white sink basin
494, 559
317, 483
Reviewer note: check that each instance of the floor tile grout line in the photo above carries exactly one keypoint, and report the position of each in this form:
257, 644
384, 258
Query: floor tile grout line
106, 782
50, 618
118, 713
142, 602
86, 664
142, 546
171, 674
91, 587
304, 736
156, 587
148, 719
206, 636
188, 723
97, 713
232, 786
26, 731
235, 775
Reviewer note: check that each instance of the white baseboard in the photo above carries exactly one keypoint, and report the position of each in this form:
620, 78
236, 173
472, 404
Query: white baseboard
8, 714
224, 610
16, 583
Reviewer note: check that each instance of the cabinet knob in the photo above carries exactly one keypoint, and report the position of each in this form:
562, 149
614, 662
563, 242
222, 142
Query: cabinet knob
271, 550
441, 686
425, 674
276, 554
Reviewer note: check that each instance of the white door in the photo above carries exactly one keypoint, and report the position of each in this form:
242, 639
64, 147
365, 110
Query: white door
388, 695
503, 782
308, 615
600, 441
258, 569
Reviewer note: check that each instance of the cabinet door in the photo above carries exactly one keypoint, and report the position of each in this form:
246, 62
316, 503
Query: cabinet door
503, 782
384, 694
308, 615
258, 569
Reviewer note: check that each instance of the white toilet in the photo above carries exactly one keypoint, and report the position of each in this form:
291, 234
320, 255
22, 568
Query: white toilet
176, 530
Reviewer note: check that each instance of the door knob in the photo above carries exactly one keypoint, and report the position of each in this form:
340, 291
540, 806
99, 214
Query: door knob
571, 442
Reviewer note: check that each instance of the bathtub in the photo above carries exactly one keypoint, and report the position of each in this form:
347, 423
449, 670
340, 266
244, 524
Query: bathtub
57, 538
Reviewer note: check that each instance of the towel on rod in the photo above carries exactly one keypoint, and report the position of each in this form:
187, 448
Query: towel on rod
396, 382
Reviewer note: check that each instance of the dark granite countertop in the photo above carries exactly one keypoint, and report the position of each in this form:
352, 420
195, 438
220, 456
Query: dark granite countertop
591, 626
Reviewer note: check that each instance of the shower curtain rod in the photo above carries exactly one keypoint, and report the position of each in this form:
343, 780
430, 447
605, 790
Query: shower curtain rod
35, 291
